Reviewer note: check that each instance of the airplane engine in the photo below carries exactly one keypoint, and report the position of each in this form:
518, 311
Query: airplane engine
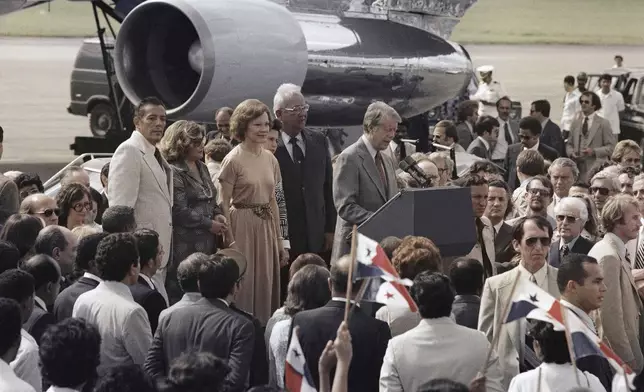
199, 55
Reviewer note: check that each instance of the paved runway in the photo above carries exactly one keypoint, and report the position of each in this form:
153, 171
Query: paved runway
35, 73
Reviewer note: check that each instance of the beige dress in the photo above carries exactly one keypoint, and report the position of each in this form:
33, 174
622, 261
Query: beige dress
253, 178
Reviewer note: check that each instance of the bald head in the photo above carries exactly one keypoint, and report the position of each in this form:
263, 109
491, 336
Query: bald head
60, 243
42, 206
340, 278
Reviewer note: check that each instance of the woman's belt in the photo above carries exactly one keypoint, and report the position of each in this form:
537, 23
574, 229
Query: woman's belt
262, 211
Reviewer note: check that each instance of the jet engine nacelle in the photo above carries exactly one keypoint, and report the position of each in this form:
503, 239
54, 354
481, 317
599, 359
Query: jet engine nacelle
199, 55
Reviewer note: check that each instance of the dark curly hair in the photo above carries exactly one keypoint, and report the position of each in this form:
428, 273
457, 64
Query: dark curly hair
197, 372
115, 255
66, 198
308, 289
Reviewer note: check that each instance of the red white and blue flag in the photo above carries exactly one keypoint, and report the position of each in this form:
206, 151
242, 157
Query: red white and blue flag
530, 301
372, 262
297, 377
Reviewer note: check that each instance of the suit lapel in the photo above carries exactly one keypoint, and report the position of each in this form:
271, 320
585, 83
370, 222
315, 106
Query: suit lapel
592, 131
553, 257
514, 330
369, 165
161, 180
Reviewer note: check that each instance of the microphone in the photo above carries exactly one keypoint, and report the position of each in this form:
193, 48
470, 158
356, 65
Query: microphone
409, 165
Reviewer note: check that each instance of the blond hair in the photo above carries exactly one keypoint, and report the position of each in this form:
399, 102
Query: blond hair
613, 211
178, 139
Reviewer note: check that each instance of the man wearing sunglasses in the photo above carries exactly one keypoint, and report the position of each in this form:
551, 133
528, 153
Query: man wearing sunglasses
571, 215
531, 237
603, 185
538, 197
41, 206
591, 136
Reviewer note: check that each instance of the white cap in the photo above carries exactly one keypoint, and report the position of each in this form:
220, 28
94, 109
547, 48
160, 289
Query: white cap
485, 69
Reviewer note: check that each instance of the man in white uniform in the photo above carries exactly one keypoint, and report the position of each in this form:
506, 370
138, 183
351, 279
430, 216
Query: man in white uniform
612, 103
489, 92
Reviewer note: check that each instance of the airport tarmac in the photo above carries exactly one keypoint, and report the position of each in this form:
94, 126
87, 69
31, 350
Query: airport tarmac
35, 91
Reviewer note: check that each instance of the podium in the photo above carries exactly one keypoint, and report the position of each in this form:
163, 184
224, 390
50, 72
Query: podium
444, 215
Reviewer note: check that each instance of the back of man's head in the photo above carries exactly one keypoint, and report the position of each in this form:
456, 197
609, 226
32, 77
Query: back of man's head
125, 378
87, 248
466, 276
188, 272
118, 219
116, 255
340, 277
303, 260
389, 245
531, 163
51, 238
19, 286
218, 276
9, 256
10, 326
43, 268
433, 294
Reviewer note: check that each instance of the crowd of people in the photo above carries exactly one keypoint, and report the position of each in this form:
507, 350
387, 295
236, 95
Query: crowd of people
202, 253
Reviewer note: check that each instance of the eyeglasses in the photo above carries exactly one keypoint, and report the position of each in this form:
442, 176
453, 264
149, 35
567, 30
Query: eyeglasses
79, 207
567, 218
49, 211
545, 241
584, 101
297, 109
539, 192
602, 191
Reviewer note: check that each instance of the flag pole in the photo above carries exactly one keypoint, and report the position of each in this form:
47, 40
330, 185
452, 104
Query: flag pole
354, 239
499, 325
571, 350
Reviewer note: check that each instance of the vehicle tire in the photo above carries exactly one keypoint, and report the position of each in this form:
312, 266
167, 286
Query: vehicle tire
102, 119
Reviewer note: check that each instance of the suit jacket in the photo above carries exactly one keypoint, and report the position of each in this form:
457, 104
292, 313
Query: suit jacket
620, 311
437, 348
465, 136
259, 364
600, 138
582, 246
137, 181
38, 322
369, 340
552, 137
308, 193
358, 191
151, 300
9, 198
477, 251
465, 310
208, 325
503, 246
548, 153
64, 304
479, 149
496, 293
409, 149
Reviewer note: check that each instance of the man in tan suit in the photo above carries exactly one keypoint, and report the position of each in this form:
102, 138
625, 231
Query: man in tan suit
142, 179
531, 237
620, 312
591, 137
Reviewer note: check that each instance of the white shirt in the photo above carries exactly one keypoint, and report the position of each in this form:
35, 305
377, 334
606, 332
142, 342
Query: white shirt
25, 365
497, 227
490, 93
40, 302
554, 377
485, 142
612, 104
501, 148
581, 314
9, 382
571, 108
541, 276
148, 281
533, 148
123, 324
289, 147
570, 244
372, 151
92, 276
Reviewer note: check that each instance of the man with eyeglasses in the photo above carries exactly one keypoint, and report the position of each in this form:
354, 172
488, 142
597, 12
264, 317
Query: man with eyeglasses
41, 206
531, 238
571, 215
603, 185
538, 196
621, 309
591, 136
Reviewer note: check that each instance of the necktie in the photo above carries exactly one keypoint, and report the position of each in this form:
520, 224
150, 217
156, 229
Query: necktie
380, 164
508, 134
157, 155
564, 251
298, 154
584, 127
639, 258
533, 279
487, 265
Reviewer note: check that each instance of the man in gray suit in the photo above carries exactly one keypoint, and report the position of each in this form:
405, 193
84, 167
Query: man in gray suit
467, 116
142, 179
363, 179
591, 136
487, 130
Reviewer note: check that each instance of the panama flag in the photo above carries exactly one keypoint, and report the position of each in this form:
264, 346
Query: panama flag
374, 263
530, 301
296, 374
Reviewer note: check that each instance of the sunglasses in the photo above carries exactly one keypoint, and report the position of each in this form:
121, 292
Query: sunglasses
567, 218
49, 212
539, 192
297, 109
79, 207
584, 101
602, 191
545, 241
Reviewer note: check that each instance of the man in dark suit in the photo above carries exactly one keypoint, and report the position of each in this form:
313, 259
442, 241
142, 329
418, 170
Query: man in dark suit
571, 215
551, 133
508, 131
363, 179
307, 178
497, 209
46, 273
529, 132
144, 291
467, 114
208, 325
581, 283
369, 336
61, 244
487, 131
466, 276
64, 304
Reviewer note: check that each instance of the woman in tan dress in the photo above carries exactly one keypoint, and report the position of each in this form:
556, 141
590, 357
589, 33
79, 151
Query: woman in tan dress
248, 178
